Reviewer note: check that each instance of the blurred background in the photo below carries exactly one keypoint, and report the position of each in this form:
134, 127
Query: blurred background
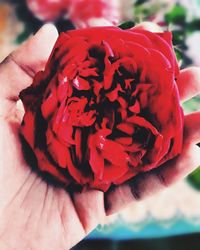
171, 219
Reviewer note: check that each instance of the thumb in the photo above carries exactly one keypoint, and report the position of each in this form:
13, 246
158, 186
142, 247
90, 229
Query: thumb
19, 68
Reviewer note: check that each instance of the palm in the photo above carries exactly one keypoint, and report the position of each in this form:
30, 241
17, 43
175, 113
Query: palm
36, 215
51, 218
45, 212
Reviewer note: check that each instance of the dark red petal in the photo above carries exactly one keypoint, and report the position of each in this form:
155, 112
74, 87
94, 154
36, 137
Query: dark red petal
111, 35
122, 102
154, 154
140, 121
135, 108
97, 87
57, 118
96, 162
174, 128
113, 95
49, 103
108, 75
128, 63
56, 149
113, 172
65, 134
109, 54
126, 128
76, 54
139, 54
124, 140
70, 71
88, 72
80, 83
88, 118
64, 89
78, 176
100, 185
128, 175
46, 166
28, 128
136, 159
165, 75
112, 152
134, 147
95, 159
161, 42
77, 139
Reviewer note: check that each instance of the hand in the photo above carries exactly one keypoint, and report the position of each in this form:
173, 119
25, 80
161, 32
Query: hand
147, 184
34, 215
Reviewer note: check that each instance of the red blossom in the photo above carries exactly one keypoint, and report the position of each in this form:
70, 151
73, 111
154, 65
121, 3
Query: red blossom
106, 107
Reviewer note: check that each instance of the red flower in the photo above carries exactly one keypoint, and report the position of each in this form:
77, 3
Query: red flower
83, 13
48, 10
106, 106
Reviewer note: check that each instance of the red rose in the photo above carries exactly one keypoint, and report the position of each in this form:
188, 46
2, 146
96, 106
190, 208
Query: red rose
48, 10
106, 106
83, 13
86, 13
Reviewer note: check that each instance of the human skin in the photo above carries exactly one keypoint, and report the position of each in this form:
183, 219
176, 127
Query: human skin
35, 215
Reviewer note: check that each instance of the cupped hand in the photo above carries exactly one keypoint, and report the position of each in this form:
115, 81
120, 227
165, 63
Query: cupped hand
149, 183
35, 215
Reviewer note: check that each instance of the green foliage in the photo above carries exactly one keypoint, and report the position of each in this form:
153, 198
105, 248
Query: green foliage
181, 28
144, 11
175, 19
194, 179
177, 15
193, 26
127, 25
139, 2
24, 35
192, 106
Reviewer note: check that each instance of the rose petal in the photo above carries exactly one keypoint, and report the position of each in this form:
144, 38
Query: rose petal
28, 128
56, 150
47, 167
81, 84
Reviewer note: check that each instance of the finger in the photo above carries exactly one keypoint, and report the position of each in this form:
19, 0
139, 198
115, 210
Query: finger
93, 22
192, 128
189, 83
189, 79
19, 68
150, 26
151, 182
89, 206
